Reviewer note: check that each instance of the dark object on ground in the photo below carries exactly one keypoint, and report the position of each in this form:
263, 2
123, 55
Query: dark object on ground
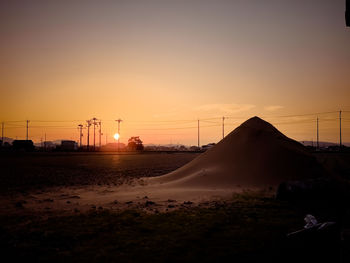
312, 227
148, 203
23, 145
310, 189
317, 242
69, 146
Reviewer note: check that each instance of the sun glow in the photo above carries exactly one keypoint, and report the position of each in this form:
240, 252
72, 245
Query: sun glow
116, 136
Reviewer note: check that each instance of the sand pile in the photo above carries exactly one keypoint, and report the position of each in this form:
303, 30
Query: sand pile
254, 154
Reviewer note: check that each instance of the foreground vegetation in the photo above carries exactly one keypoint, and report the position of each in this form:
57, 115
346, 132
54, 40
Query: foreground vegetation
250, 228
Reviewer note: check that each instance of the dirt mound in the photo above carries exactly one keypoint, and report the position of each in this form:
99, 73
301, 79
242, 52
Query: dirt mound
254, 154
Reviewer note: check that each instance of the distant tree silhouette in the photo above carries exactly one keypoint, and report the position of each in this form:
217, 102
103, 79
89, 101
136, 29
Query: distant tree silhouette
135, 144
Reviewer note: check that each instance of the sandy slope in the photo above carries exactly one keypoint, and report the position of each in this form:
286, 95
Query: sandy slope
254, 154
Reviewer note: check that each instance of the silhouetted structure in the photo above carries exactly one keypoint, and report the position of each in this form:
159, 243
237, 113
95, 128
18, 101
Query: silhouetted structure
119, 120
135, 144
112, 147
23, 145
49, 146
68, 146
347, 13
207, 146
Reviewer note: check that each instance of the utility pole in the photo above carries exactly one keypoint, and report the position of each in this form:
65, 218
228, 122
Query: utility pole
198, 132
119, 120
340, 143
88, 135
80, 127
27, 130
45, 142
100, 132
223, 127
94, 123
318, 146
2, 132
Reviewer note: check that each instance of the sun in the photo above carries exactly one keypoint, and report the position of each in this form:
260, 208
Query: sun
116, 136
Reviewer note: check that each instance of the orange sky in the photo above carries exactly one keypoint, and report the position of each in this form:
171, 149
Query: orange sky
153, 61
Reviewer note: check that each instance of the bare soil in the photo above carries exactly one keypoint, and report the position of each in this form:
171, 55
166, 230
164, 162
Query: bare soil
49, 212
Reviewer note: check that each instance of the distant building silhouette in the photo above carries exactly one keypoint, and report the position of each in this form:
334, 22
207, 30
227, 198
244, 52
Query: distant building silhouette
112, 147
23, 145
69, 146
48, 145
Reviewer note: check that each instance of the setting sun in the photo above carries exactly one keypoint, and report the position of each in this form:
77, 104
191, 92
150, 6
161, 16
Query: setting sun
116, 136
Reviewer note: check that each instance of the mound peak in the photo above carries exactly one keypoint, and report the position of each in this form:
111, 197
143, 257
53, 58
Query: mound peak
254, 154
258, 123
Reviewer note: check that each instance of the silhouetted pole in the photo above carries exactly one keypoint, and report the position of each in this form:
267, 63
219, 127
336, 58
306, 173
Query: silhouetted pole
340, 143
100, 131
94, 123
27, 130
223, 127
119, 120
45, 142
198, 132
347, 13
88, 135
2, 132
318, 146
80, 133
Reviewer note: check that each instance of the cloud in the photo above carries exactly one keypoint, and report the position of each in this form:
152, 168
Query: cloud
225, 108
273, 107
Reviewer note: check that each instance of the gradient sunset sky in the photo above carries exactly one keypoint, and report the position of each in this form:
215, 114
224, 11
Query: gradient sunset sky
161, 65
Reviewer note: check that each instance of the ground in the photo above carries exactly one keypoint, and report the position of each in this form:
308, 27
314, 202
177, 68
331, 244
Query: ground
247, 227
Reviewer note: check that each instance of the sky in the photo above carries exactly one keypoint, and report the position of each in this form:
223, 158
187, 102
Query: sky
160, 65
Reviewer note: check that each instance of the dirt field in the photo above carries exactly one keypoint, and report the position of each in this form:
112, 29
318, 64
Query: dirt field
247, 227
28, 171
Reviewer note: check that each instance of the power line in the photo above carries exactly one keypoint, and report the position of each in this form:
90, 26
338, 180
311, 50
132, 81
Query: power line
190, 120
301, 115
57, 121
184, 123
184, 128
46, 127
